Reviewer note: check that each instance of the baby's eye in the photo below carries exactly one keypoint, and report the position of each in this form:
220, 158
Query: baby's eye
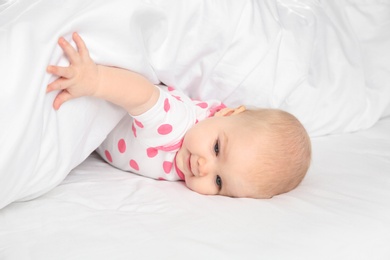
216, 148
218, 181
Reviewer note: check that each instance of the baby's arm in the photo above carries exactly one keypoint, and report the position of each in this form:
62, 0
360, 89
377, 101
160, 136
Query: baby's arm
83, 77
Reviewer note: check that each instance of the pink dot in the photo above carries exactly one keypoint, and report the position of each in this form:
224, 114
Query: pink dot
171, 88
177, 97
164, 129
202, 105
138, 123
151, 152
122, 146
167, 106
108, 156
161, 179
134, 130
167, 167
134, 165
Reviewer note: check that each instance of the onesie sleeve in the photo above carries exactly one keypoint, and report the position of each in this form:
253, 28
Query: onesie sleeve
165, 124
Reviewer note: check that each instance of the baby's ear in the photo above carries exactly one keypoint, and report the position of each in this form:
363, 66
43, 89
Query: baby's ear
227, 111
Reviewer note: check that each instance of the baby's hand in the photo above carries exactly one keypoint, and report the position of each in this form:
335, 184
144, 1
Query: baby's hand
80, 78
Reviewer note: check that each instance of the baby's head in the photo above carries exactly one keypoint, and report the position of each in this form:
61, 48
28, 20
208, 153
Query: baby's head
245, 153
283, 153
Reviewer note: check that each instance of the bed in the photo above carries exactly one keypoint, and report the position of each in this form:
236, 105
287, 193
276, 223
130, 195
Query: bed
327, 62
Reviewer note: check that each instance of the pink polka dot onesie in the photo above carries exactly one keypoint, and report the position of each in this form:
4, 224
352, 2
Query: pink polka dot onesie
147, 144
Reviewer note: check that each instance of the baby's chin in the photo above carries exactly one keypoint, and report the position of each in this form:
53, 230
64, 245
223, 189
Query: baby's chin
181, 174
179, 167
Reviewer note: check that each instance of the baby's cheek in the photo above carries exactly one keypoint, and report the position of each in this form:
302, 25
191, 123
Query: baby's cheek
200, 186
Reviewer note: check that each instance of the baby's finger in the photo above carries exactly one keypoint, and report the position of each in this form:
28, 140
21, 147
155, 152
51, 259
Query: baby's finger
65, 72
61, 98
70, 52
58, 84
82, 48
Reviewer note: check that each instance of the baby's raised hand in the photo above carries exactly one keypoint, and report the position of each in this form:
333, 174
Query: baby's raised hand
80, 78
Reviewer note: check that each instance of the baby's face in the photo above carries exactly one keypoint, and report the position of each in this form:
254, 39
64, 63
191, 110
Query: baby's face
216, 155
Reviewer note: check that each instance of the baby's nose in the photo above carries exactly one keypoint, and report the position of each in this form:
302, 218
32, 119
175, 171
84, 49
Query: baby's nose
202, 167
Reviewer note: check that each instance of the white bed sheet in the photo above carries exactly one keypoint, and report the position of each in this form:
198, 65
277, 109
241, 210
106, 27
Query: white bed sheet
340, 211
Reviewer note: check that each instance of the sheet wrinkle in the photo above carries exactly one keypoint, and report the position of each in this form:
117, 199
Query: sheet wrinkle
6, 4
222, 57
8, 8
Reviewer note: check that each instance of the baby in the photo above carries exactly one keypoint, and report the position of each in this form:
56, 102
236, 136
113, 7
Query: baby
216, 150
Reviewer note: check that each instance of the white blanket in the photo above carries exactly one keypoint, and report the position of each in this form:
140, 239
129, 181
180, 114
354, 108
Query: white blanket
325, 61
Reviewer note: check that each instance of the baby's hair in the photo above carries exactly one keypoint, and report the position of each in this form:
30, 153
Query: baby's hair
284, 151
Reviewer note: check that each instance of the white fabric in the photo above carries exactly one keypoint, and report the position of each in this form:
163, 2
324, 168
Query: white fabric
142, 146
325, 61
340, 211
